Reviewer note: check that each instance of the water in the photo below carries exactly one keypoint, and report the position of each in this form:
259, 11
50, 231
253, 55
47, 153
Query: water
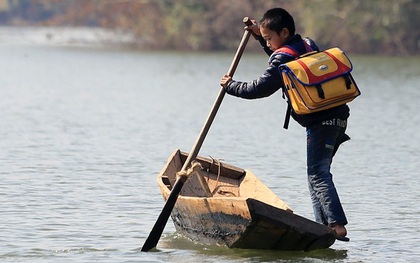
85, 131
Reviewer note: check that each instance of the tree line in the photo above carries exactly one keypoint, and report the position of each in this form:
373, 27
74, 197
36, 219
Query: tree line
359, 26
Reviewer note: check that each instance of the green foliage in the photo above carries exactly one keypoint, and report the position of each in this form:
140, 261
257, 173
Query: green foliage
359, 26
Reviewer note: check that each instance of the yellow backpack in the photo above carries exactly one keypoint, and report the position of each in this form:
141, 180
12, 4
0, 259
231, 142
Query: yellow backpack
318, 81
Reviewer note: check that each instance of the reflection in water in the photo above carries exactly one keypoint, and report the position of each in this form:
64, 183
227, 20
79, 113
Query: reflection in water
174, 243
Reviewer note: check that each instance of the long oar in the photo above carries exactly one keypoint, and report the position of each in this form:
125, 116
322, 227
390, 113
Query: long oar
157, 230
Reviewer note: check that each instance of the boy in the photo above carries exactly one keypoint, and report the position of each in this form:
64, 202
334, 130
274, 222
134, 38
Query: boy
325, 129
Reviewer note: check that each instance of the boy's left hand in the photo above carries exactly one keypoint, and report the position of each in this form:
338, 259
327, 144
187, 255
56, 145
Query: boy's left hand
225, 80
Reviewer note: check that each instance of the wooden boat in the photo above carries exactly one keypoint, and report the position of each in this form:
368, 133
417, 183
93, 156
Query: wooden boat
225, 205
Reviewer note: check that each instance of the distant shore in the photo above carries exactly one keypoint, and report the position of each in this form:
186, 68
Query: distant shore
76, 36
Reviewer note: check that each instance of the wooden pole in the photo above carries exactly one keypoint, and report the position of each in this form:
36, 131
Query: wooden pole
157, 229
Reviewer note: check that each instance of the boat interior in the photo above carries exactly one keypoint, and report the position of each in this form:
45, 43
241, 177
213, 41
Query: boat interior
215, 178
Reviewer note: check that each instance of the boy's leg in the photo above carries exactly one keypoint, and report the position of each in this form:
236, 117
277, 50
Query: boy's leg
322, 142
317, 207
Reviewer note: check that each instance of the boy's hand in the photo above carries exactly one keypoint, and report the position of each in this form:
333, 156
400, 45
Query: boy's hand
255, 30
225, 80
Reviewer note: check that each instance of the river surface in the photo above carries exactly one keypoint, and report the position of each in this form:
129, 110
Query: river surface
84, 132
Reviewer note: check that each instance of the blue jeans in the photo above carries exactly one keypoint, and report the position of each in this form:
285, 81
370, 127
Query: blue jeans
323, 140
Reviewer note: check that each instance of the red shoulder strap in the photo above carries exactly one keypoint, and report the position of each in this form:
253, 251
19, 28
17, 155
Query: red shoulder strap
286, 50
289, 51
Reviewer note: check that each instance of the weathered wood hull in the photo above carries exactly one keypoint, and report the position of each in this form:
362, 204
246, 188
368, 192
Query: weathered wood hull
241, 211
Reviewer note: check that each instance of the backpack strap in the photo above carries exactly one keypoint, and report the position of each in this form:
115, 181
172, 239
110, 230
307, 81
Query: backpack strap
291, 52
288, 51
348, 81
320, 91
287, 117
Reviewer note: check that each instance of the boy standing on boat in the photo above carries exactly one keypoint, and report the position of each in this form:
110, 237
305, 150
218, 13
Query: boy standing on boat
325, 129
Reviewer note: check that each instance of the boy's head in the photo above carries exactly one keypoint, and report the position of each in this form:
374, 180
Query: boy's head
276, 19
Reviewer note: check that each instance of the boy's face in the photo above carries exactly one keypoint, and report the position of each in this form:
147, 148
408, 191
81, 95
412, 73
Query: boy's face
274, 40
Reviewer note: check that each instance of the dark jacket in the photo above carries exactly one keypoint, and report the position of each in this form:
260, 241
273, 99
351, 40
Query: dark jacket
271, 81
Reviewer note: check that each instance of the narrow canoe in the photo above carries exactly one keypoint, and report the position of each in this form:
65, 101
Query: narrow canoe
228, 206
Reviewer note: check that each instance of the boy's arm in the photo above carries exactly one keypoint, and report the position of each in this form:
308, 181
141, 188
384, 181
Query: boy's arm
267, 84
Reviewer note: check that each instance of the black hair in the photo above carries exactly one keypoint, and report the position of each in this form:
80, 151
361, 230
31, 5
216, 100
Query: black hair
278, 18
